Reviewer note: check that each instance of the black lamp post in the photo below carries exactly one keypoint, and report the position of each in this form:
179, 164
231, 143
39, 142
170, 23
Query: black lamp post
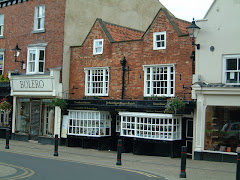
16, 54
193, 30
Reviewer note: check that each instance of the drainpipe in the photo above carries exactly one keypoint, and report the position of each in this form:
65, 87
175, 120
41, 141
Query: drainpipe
123, 63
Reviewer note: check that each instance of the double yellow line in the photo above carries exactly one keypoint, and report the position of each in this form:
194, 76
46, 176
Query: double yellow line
26, 172
81, 162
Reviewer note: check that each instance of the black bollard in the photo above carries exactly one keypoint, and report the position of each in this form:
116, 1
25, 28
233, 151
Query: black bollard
56, 146
183, 162
7, 138
238, 167
119, 151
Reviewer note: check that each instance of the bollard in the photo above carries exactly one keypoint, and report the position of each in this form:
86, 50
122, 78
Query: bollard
119, 151
183, 162
7, 138
238, 167
56, 146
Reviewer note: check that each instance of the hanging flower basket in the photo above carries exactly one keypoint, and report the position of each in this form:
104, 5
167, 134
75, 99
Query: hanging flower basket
59, 102
4, 78
5, 106
175, 106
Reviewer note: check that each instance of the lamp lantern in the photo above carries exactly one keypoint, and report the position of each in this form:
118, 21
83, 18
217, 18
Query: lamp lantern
193, 30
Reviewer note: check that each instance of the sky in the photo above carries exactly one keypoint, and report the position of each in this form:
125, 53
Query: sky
188, 9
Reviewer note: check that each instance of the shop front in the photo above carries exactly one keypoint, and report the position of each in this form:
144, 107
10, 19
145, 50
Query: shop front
5, 116
217, 124
34, 116
142, 125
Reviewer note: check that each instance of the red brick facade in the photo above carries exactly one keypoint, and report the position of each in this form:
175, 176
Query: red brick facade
18, 27
138, 51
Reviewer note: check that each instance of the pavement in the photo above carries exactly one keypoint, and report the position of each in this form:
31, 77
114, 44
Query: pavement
151, 166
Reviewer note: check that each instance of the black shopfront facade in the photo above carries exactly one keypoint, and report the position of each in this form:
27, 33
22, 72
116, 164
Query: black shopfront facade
142, 125
5, 118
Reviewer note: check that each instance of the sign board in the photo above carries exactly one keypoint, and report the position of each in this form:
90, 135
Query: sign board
64, 126
29, 85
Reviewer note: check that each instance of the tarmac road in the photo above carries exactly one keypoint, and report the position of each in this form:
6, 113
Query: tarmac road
17, 166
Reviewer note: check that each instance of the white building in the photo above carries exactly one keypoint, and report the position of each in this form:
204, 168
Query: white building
216, 85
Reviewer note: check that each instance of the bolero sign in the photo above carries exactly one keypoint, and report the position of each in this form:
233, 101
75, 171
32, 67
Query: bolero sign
32, 85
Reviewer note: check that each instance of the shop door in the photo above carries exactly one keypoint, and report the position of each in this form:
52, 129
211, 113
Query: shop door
189, 135
35, 119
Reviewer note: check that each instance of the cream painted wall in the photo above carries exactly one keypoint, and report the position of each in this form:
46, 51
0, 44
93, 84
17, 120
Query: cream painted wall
221, 30
81, 14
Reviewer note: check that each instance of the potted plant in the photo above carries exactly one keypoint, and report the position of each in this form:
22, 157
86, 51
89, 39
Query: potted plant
59, 102
174, 106
5, 106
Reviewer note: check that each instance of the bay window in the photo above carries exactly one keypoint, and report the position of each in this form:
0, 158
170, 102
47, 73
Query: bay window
151, 126
36, 60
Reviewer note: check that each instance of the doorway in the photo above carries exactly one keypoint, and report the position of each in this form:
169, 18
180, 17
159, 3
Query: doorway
35, 119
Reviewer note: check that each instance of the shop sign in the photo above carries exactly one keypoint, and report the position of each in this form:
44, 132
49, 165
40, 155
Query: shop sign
32, 85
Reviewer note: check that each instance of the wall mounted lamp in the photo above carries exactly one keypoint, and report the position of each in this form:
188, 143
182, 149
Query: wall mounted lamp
193, 30
16, 54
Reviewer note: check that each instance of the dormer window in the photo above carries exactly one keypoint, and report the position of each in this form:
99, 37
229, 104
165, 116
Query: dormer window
98, 46
159, 40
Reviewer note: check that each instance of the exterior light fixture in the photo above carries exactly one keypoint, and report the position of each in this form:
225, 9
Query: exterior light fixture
17, 53
193, 30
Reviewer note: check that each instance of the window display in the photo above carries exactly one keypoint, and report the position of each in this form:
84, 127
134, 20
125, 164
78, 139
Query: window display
89, 123
222, 131
4, 119
151, 126
23, 115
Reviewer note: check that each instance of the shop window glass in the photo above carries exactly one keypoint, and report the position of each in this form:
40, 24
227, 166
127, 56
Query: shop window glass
47, 118
222, 131
89, 123
23, 116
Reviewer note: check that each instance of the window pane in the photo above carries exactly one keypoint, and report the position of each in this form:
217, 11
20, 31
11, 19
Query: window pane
231, 64
41, 55
232, 77
41, 64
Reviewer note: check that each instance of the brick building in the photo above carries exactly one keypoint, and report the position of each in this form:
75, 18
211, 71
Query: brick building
114, 74
44, 30
31, 45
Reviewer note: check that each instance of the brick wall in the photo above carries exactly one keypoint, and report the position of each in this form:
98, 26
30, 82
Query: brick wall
18, 27
137, 53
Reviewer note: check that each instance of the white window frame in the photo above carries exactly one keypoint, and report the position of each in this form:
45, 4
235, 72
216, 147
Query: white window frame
37, 60
233, 72
89, 123
149, 80
89, 82
40, 17
2, 53
155, 126
1, 24
155, 41
95, 41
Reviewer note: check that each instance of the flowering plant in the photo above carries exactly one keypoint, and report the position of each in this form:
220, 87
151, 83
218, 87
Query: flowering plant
174, 106
4, 78
5, 106
59, 102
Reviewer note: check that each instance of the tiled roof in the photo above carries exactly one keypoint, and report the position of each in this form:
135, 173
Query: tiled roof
117, 33
120, 33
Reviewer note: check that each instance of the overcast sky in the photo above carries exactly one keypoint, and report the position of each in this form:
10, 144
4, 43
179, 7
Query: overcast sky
187, 9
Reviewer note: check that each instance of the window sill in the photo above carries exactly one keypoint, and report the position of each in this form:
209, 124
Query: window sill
155, 49
97, 54
2, 37
38, 31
